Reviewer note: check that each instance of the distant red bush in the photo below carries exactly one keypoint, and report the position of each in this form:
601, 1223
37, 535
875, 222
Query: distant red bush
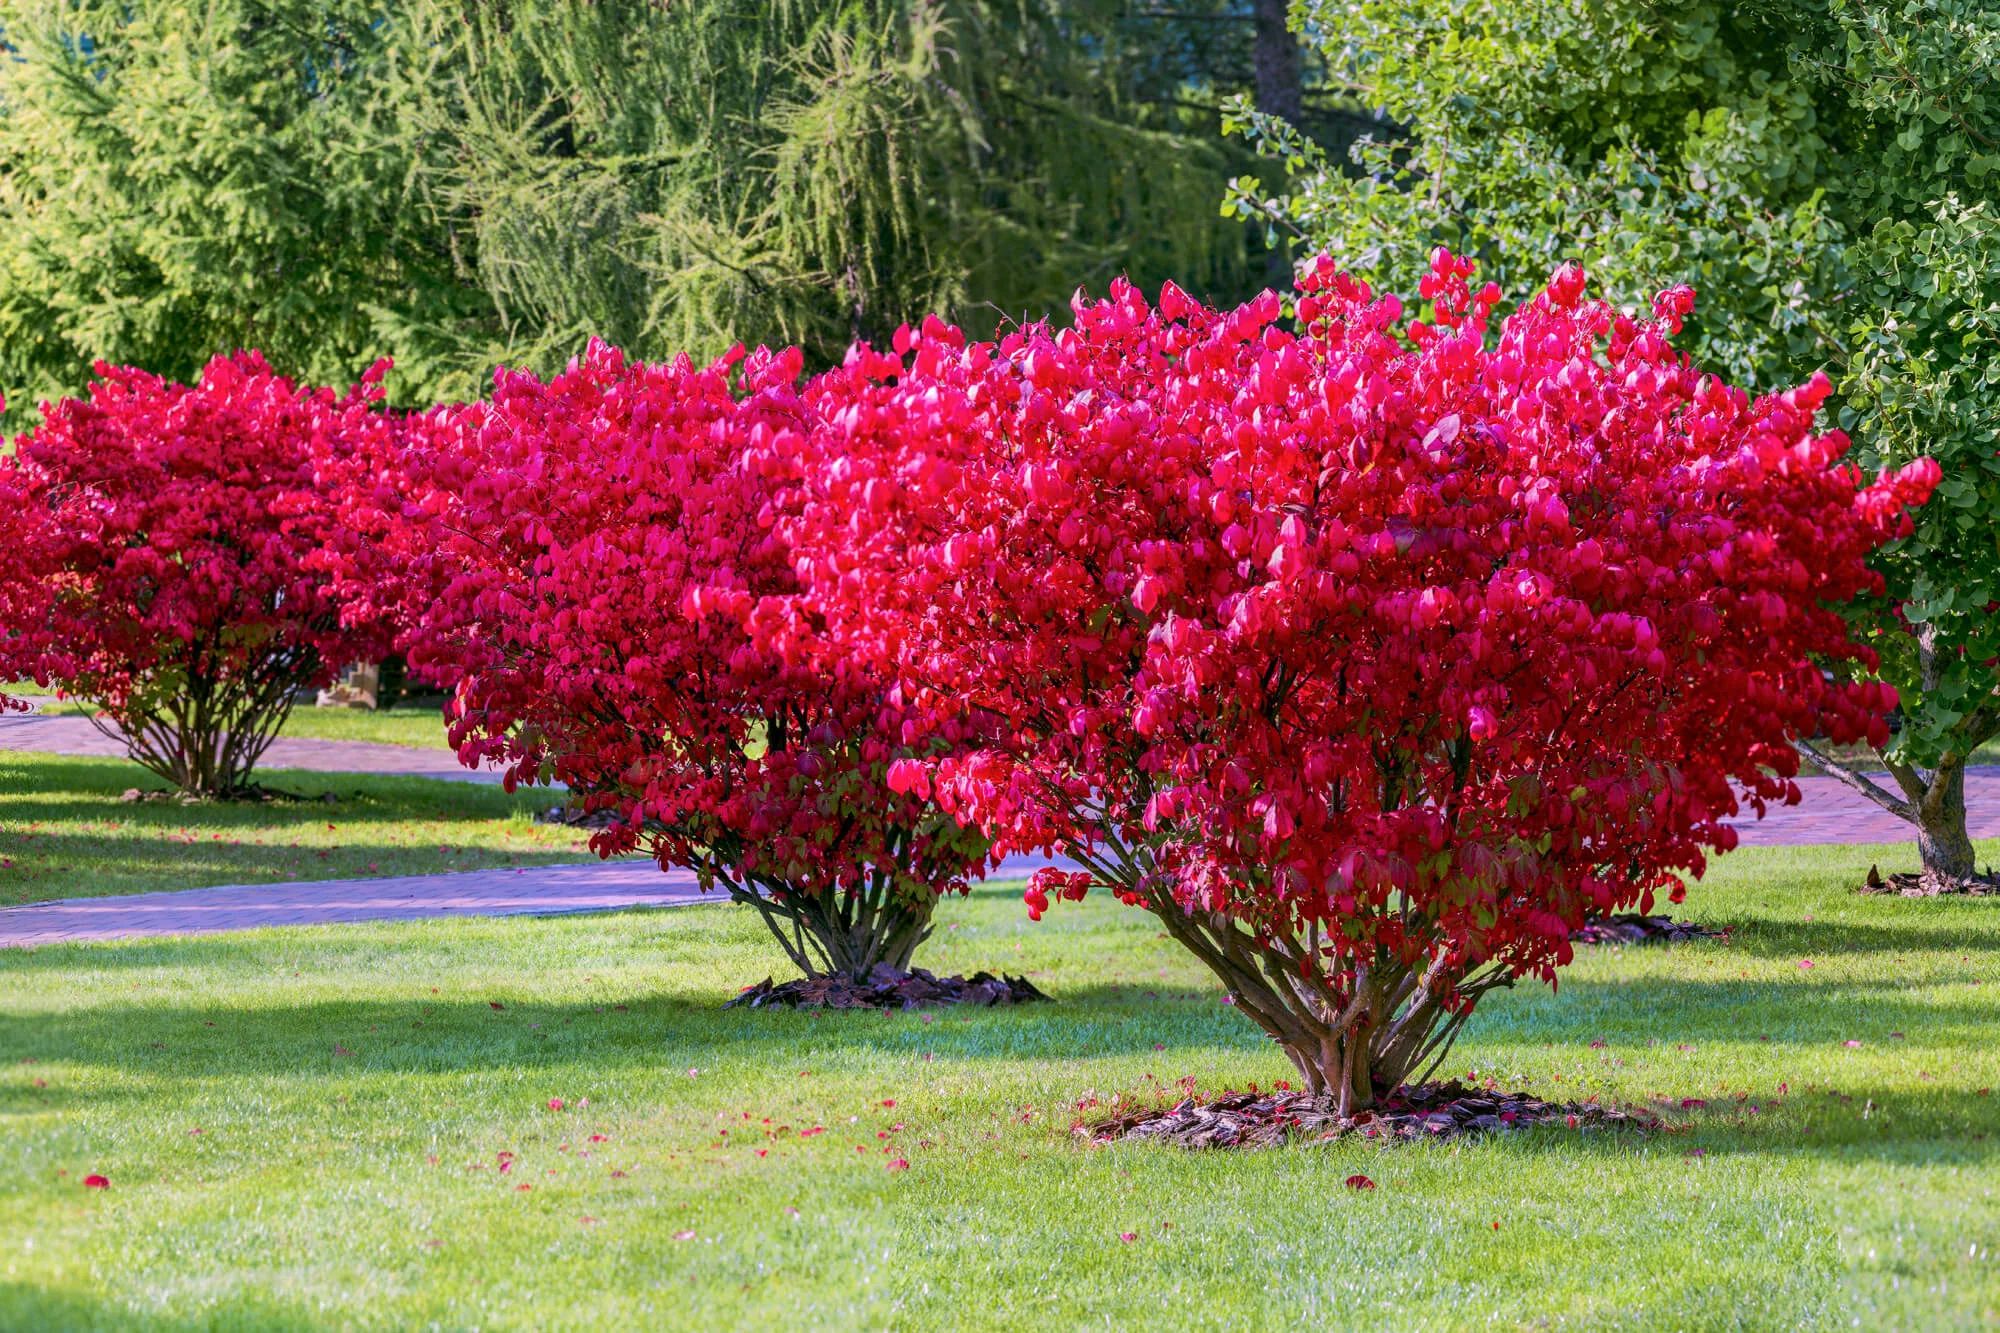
601, 543
159, 564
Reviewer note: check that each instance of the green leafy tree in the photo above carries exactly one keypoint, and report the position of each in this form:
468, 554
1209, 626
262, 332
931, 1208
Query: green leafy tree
1823, 171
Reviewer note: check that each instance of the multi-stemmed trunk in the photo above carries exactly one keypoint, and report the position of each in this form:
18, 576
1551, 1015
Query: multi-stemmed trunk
206, 736
1382, 1027
842, 933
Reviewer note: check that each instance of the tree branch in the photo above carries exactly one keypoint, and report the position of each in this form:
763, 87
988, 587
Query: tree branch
1859, 781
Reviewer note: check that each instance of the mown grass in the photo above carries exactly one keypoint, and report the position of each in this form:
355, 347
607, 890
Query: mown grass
418, 726
304, 1127
64, 832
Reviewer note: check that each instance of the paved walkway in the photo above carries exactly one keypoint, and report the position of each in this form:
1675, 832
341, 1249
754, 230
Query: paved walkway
73, 735
602, 886
1829, 813
597, 886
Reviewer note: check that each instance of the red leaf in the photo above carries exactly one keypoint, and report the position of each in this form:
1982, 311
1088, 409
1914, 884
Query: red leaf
96, 1183
1358, 1181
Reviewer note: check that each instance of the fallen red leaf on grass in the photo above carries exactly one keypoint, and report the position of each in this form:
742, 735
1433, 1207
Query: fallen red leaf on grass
96, 1183
555, 1103
1360, 1182
1128, 1236
899, 1164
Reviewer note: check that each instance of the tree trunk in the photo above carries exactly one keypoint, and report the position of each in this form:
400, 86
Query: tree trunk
1280, 92
1941, 835
1276, 55
841, 935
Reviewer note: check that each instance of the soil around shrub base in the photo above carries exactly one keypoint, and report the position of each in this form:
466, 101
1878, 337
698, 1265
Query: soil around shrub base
1431, 1112
887, 989
1925, 884
1633, 928
251, 795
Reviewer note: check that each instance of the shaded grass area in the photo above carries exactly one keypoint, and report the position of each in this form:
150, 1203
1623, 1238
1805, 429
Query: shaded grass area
64, 833
357, 1089
419, 726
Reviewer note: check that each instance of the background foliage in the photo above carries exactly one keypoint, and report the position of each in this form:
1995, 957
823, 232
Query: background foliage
456, 183
1823, 171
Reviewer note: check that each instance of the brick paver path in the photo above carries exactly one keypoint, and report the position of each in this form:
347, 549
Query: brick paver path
597, 886
1829, 813
72, 735
602, 886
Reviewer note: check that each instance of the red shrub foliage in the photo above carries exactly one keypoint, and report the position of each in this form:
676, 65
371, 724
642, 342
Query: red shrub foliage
605, 539
159, 539
1370, 657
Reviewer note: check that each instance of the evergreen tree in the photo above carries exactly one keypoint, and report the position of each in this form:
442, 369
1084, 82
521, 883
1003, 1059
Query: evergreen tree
455, 183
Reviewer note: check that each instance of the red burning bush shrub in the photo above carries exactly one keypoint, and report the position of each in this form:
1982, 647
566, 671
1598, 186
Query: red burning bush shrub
159, 540
605, 540
1370, 658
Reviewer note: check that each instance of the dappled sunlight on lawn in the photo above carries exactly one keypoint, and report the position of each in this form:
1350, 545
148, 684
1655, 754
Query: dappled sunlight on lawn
65, 832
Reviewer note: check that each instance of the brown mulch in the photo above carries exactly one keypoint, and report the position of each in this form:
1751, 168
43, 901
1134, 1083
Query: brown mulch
576, 818
1924, 884
252, 794
1433, 1112
1632, 928
887, 989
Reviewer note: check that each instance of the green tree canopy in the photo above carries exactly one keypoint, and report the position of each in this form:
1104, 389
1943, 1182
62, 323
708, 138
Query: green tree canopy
1823, 171
456, 183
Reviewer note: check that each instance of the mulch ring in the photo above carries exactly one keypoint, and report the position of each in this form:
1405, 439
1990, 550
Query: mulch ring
1433, 1112
1632, 928
887, 989
250, 795
575, 818
1926, 885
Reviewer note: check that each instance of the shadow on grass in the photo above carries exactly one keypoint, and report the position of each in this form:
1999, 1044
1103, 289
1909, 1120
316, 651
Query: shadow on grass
1971, 925
344, 1042
51, 789
23, 1306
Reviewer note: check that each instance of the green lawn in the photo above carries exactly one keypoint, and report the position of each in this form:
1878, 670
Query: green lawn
64, 833
304, 1127
420, 727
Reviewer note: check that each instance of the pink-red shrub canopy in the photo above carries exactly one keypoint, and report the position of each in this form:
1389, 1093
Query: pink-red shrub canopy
160, 537
605, 537
1416, 640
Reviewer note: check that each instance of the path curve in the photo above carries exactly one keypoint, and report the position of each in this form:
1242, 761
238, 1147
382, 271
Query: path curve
68, 734
1829, 813
595, 886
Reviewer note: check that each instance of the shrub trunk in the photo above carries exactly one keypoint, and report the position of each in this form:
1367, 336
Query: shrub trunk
840, 933
1353, 1045
205, 740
